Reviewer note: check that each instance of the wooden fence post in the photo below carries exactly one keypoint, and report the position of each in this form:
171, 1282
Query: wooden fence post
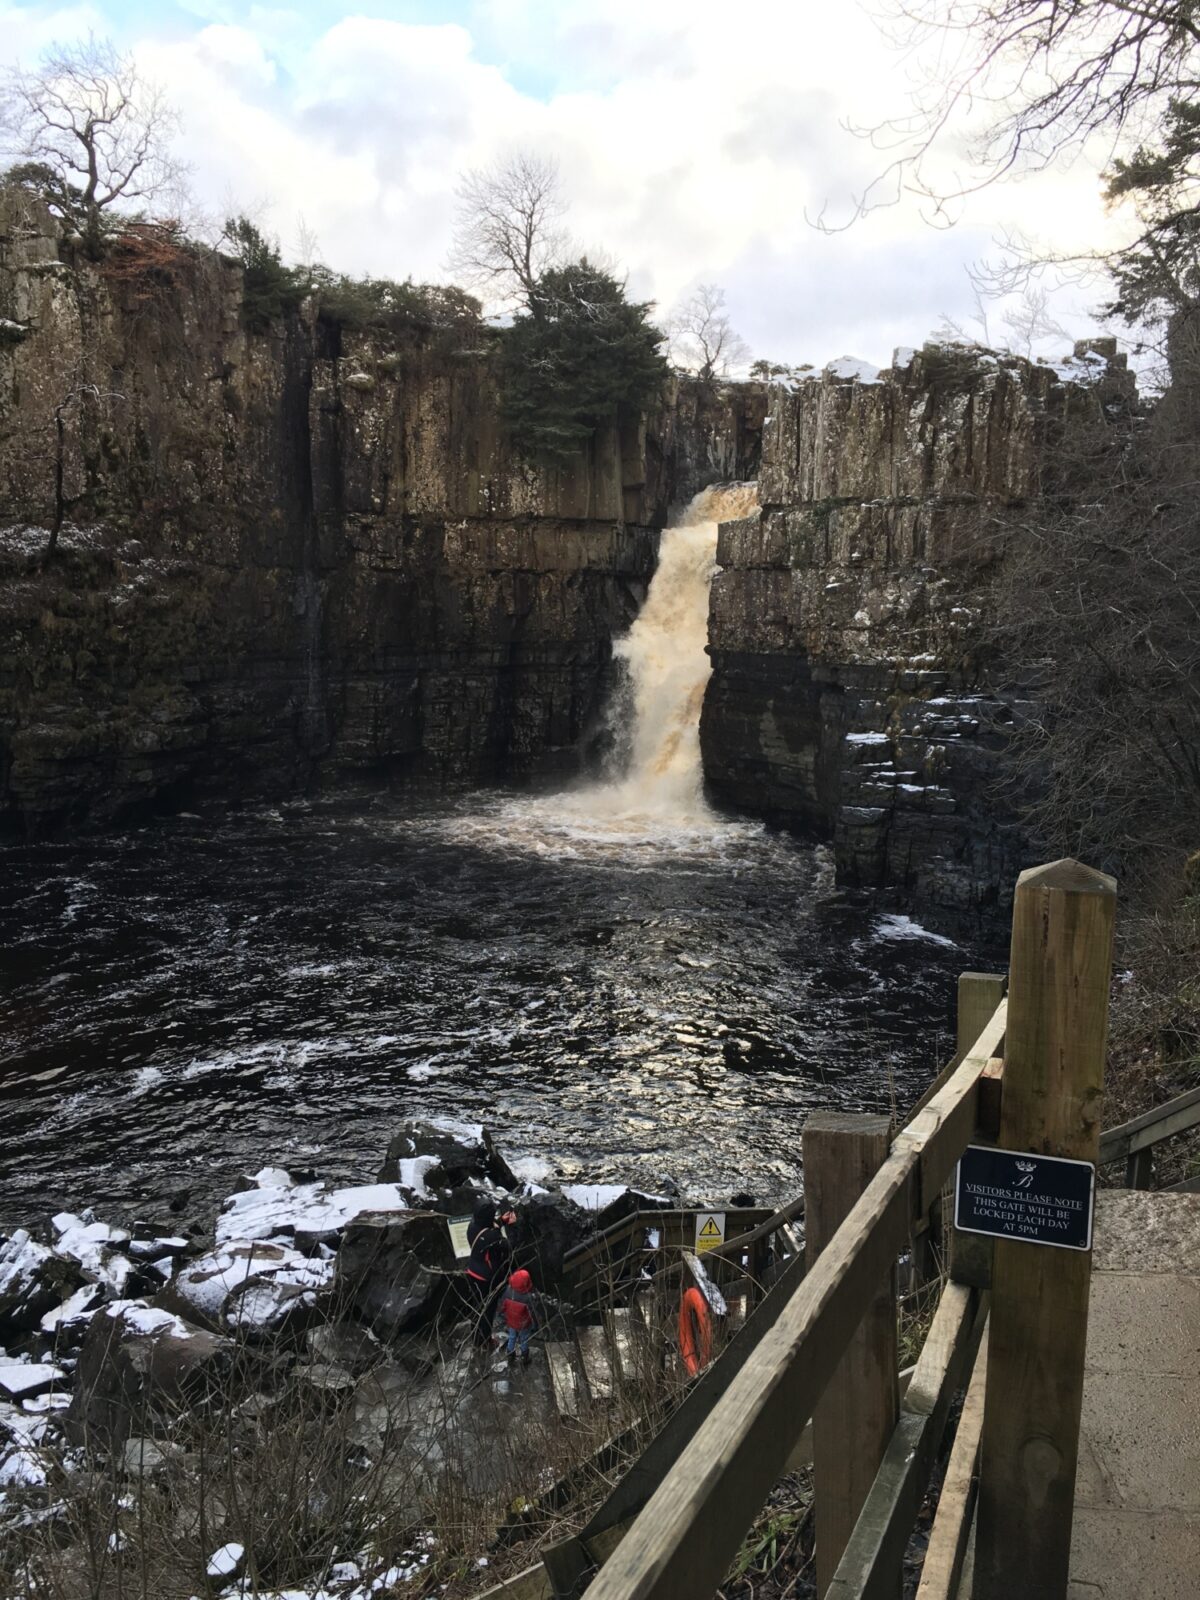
855, 1417
1060, 969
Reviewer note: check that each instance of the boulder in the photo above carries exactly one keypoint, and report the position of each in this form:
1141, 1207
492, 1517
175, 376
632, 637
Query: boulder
133, 1356
613, 1202
442, 1154
33, 1280
548, 1225
247, 1287
394, 1271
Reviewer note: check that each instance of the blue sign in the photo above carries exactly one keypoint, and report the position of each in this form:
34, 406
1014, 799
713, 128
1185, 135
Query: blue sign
1013, 1194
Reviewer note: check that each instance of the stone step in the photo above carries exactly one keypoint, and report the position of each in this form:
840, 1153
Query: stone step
597, 1365
564, 1376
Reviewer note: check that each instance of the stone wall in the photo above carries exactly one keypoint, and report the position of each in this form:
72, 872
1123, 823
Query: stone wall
851, 694
297, 552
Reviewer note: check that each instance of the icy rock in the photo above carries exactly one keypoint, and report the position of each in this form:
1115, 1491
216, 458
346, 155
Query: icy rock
441, 1153
247, 1286
32, 1281
394, 1271
134, 1354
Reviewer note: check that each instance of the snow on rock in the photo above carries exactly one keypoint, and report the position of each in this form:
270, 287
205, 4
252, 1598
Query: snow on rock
309, 1210
74, 1311
223, 1563
251, 1285
95, 1247
594, 1196
855, 368
21, 1380
897, 927
32, 1280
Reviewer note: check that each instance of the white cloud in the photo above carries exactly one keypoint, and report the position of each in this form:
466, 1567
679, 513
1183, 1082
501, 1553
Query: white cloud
693, 143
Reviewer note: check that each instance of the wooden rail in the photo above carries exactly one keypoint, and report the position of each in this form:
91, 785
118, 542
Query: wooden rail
680, 1546
1133, 1142
671, 1527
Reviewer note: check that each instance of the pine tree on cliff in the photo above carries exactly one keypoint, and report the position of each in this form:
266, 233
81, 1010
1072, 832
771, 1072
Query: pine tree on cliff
581, 357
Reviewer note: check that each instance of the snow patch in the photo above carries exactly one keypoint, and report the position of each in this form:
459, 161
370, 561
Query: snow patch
898, 927
854, 367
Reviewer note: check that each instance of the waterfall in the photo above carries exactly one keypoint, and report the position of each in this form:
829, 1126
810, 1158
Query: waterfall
666, 658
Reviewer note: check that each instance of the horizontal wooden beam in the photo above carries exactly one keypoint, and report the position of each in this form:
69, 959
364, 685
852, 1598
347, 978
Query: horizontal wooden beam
681, 1544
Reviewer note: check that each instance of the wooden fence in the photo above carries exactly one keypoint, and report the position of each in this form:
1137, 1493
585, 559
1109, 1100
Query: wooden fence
1010, 1327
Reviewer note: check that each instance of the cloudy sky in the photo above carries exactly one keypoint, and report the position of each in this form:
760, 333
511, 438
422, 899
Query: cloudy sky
696, 139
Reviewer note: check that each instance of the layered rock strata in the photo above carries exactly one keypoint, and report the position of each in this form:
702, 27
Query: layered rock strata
299, 551
853, 694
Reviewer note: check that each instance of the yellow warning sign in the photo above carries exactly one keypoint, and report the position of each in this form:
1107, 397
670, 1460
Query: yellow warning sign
710, 1230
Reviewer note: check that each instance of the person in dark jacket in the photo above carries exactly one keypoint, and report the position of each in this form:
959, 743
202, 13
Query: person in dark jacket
519, 1311
487, 1271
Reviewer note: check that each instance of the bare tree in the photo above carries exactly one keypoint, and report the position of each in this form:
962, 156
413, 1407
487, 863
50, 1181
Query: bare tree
702, 337
1056, 72
507, 231
88, 119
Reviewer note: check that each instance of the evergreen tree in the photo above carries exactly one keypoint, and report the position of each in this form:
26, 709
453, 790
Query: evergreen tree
581, 356
268, 288
1158, 275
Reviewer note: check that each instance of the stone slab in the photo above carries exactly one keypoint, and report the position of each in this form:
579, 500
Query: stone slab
1134, 1555
1140, 1231
1136, 1532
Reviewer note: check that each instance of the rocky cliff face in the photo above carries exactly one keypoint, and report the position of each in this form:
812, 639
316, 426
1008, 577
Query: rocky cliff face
851, 694
294, 552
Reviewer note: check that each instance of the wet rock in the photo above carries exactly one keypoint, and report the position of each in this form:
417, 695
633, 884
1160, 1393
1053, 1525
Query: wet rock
135, 1356
395, 1271
249, 1287
443, 1154
33, 1280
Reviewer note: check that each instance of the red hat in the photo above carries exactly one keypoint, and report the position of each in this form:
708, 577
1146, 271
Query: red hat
521, 1281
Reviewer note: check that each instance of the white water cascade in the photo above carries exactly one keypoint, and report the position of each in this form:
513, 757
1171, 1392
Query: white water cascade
666, 657
651, 802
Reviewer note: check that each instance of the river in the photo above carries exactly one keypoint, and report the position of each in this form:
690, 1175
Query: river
622, 983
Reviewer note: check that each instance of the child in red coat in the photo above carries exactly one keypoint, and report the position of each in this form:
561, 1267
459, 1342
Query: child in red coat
519, 1312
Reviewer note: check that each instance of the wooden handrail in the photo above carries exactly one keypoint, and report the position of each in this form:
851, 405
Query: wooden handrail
1142, 1133
681, 1544
624, 1227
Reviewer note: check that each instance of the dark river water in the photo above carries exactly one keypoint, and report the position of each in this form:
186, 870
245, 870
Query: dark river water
618, 1000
